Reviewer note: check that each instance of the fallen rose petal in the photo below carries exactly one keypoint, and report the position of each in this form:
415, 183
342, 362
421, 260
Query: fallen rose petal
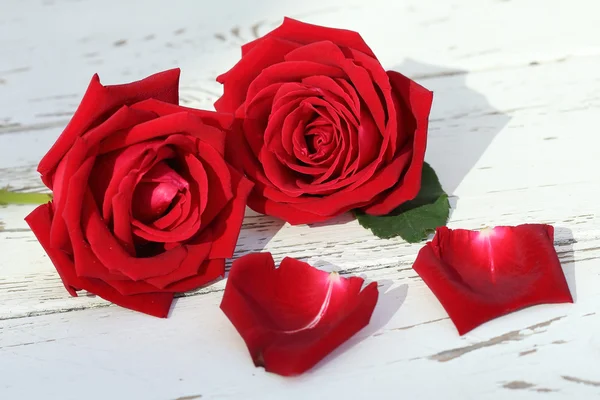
291, 317
482, 275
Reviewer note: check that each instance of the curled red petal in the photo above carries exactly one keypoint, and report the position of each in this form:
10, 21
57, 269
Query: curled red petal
156, 192
113, 256
197, 253
205, 273
411, 98
482, 275
156, 304
236, 81
228, 223
70, 164
161, 108
293, 316
304, 33
365, 79
208, 272
99, 99
259, 203
351, 197
165, 126
219, 188
291, 71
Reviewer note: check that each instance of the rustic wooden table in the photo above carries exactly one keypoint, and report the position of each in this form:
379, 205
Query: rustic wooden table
514, 136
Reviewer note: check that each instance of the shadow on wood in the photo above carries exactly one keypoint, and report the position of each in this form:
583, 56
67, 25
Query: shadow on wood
389, 302
563, 243
462, 123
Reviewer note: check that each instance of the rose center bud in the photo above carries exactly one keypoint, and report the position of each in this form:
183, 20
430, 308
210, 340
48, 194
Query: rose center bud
319, 141
156, 192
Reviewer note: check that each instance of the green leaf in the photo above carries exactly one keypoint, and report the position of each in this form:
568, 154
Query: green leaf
8, 197
415, 219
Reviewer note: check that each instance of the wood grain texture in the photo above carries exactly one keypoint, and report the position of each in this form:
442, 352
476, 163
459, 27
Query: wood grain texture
512, 138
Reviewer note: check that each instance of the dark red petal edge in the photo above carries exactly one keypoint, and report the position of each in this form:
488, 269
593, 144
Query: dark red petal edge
100, 99
156, 304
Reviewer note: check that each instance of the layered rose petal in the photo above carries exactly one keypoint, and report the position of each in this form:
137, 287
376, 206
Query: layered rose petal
238, 79
209, 271
156, 304
481, 275
164, 127
99, 100
293, 316
304, 33
228, 222
414, 99
156, 192
221, 121
123, 119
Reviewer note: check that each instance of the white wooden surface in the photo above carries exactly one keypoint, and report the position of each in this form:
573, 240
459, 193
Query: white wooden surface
513, 137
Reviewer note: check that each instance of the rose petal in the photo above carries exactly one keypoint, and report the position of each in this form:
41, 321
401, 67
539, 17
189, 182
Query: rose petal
259, 203
219, 191
238, 153
99, 247
99, 100
416, 100
111, 169
156, 304
293, 316
351, 104
330, 54
256, 118
194, 269
208, 272
198, 251
349, 198
121, 203
167, 126
86, 263
304, 33
76, 156
236, 81
152, 200
194, 172
156, 192
291, 71
227, 224
180, 209
383, 87
479, 276
113, 256
222, 121
121, 120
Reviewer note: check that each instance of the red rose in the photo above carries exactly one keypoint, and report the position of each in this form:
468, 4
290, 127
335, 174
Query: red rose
325, 129
144, 203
